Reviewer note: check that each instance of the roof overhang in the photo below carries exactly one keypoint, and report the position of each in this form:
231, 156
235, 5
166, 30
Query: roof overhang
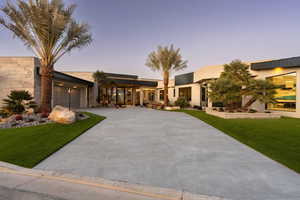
281, 63
134, 82
59, 76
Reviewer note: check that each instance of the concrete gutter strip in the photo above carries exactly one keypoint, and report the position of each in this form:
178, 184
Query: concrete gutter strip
143, 192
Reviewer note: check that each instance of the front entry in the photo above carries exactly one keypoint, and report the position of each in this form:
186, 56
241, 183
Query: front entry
117, 96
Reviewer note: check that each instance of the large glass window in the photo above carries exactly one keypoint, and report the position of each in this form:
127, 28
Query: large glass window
286, 94
186, 93
151, 95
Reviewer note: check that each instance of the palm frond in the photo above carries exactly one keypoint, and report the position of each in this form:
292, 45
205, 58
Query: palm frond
166, 59
47, 27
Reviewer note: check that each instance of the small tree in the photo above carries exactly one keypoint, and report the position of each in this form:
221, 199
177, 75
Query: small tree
236, 82
166, 60
18, 101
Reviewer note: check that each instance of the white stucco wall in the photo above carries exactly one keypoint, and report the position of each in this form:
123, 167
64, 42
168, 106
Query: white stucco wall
214, 71
195, 98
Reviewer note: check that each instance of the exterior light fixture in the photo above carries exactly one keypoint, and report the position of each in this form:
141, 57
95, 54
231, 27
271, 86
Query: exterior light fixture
278, 69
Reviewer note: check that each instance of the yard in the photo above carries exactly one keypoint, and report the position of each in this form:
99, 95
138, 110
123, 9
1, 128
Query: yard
278, 139
30, 145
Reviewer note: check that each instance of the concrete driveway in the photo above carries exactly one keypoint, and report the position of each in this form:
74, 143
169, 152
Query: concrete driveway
170, 149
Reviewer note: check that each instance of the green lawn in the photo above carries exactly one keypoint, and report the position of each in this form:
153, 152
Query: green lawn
278, 139
30, 145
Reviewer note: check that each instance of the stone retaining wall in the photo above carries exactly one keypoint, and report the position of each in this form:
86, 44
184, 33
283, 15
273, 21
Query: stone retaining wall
227, 115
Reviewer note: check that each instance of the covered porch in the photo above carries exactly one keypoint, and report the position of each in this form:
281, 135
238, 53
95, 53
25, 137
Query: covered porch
126, 91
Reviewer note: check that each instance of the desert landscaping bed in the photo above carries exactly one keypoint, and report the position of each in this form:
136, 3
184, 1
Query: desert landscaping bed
27, 146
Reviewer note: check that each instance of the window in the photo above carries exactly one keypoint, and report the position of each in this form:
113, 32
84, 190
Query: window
161, 95
186, 93
174, 92
286, 94
203, 94
151, 96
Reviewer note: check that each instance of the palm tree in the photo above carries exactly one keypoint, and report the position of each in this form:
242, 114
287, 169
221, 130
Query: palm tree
49, 30
166, 60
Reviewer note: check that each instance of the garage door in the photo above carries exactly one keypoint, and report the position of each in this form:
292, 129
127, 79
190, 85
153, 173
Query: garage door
61, 97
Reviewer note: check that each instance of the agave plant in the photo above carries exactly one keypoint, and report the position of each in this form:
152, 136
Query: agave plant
17, 101
48, 28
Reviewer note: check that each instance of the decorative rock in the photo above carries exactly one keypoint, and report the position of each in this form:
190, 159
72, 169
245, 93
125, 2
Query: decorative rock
62, 115
172, 108
30, 111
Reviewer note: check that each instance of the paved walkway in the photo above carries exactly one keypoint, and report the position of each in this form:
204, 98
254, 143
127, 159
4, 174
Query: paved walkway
173, 150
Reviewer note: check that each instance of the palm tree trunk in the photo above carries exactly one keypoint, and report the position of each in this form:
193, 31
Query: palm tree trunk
166, 85
46, 88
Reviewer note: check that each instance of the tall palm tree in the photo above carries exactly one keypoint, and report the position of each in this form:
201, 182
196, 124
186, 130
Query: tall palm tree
166, 59
49, 30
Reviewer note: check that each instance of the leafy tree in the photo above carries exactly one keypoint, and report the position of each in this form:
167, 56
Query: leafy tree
48, 28
166, 59
236, 82
17, 101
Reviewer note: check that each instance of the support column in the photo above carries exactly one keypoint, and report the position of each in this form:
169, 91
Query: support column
141, 96
86, 101
298, 93
133, 96
209, 102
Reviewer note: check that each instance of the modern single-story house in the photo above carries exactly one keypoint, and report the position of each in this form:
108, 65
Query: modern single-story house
74, 89
79, 90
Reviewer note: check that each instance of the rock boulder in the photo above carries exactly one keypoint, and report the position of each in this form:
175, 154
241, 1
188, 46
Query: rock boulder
62, 115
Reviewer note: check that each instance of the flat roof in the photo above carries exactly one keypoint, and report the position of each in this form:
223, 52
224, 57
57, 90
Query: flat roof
66, 77
283, 63
135, 82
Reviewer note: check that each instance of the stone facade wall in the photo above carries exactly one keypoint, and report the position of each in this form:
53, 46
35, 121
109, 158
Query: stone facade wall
18, 73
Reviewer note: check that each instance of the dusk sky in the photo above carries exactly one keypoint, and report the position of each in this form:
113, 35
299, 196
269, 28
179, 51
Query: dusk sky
208, 32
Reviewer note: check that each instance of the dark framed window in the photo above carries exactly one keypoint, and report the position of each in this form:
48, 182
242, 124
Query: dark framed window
151, 96
174, 92
186, 92
161, 95
203, 94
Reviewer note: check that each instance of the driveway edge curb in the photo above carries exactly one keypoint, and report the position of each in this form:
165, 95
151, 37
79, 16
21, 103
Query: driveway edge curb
140, 190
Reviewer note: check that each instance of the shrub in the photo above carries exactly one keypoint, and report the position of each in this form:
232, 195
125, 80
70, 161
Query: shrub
17, 101
44, 115
252, 111
182, 102
217, 104
198, 107
19, 117
4, 113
